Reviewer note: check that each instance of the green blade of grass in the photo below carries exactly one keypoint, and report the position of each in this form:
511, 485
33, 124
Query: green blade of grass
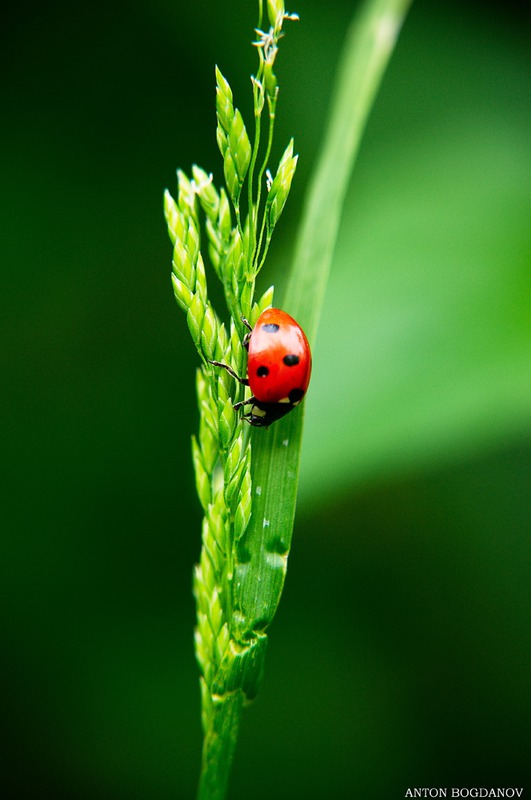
263, 551
368, 46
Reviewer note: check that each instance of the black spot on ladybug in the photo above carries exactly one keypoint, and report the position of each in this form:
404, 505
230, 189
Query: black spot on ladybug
270, 327
290, 360
296, 395
262, 372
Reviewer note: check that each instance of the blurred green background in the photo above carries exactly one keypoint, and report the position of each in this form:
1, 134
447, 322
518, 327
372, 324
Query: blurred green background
400, 653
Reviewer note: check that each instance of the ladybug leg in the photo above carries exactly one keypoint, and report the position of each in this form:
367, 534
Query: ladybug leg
243, 381
244, 403
247, 336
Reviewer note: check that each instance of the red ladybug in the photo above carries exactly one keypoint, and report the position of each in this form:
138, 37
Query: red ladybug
278, 367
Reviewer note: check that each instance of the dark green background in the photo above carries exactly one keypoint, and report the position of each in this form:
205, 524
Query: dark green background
400, 653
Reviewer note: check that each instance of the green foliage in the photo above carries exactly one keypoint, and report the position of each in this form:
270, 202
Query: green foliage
230, 645
248, 524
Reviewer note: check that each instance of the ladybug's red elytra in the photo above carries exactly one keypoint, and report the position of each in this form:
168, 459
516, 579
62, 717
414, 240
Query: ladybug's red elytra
279, 366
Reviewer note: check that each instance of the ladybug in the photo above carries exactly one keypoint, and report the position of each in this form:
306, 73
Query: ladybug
279, 365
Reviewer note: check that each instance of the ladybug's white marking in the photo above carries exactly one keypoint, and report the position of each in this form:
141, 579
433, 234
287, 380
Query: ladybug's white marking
285, 400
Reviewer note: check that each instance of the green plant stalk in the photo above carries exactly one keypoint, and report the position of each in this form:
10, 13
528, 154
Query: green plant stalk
219, 745
229, 652
249, 505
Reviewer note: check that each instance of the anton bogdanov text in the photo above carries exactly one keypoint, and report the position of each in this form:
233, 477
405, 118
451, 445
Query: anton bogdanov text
456, 791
